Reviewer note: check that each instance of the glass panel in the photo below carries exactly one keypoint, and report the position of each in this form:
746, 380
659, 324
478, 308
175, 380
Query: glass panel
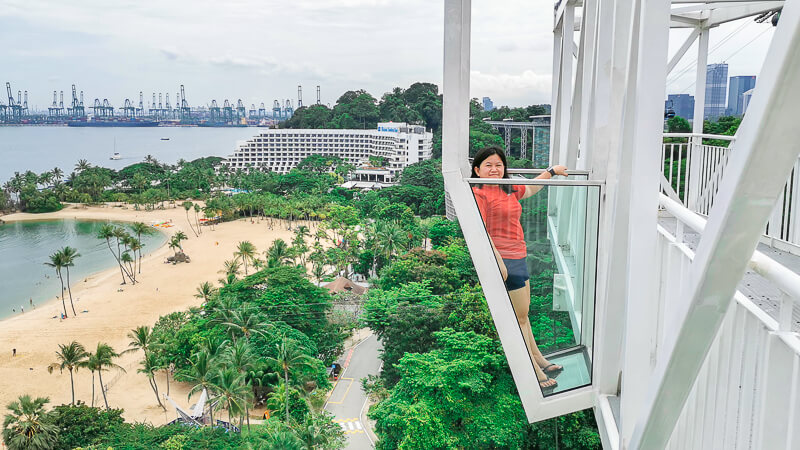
545, 238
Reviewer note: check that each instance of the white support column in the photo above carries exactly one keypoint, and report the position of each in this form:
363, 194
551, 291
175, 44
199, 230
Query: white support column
611, 91
641, 140
579, 90
455, 87
555, 104
694, 157
761, 158
565, 84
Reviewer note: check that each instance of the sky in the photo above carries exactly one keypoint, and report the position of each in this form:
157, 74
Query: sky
259, 51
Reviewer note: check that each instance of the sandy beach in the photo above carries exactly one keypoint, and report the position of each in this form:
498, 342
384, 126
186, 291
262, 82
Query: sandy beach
163, 288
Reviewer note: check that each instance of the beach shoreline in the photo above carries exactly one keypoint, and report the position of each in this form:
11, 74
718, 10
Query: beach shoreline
113, 310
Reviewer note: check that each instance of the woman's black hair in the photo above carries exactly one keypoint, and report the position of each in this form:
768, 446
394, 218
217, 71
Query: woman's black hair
481, 156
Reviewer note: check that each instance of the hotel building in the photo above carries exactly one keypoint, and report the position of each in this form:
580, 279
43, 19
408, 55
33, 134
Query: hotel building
281, 150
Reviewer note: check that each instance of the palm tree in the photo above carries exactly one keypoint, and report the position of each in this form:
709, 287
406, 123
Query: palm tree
70, 254
242, 357
25, 428
107, 231
245, 251
278, 254
82, 165
151, 364
288, 359
390, 239
105, 359
70, 356
129, 261
197, 218
141, 338
93, 364
180, 236
285, 440
245, 321
140, 229
231, 267
58, 174
232, 390
201, 373
299, 242
205, 291
57, 262
187, 205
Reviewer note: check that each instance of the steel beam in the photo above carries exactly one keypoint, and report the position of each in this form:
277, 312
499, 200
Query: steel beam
761, 159
682, 51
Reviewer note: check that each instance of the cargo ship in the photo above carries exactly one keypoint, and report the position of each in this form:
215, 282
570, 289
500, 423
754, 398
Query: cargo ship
113, 123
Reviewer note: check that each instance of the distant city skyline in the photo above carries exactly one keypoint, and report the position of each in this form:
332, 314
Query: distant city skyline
261, 51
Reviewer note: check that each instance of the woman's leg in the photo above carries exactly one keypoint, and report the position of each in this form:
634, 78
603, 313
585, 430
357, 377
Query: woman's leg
521, 301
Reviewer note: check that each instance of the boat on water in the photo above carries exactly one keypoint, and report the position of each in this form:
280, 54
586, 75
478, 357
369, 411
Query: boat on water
164, 138
115, 156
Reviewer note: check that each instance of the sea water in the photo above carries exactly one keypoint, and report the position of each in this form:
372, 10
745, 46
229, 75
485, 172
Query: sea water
25, 247
41, 148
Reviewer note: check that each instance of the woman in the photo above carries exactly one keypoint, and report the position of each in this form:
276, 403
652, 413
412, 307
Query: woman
500, 210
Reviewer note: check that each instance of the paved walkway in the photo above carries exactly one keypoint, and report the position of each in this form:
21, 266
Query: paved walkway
348, 401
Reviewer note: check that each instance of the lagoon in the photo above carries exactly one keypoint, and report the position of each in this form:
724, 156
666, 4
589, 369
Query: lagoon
26, 246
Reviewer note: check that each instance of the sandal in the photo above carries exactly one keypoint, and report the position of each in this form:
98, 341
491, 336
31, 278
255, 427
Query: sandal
549, 387
552, 373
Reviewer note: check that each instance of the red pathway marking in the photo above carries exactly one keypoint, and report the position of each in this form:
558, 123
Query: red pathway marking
347, 361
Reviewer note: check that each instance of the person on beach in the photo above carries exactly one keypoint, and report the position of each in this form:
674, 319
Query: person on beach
13, 352
500, 210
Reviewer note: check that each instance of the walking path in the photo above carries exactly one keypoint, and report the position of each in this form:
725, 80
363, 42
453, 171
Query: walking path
347, 401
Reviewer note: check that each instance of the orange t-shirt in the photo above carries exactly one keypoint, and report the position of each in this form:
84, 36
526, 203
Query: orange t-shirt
500, 213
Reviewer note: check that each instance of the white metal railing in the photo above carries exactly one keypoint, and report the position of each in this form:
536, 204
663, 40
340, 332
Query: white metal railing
746, 394
694, 171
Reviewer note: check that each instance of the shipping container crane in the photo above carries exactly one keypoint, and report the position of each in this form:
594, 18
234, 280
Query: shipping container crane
185, 110
140, 109
167, 111
77, 109
262, 111
240, 109
214, 111
299, 96
227, 111
288, 109
128, 110
252, 113
153, 107
13, 106
53, 109
276, 110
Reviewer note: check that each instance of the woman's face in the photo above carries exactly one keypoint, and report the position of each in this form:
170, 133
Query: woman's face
491, 167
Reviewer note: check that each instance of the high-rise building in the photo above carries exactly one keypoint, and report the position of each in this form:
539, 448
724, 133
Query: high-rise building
737, 87
746, 96
488, 105
716, 88
682, 104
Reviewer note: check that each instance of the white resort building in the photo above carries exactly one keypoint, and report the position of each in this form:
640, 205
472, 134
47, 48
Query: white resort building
281, 150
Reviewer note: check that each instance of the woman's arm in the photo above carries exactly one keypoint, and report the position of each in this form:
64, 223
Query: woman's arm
534, 188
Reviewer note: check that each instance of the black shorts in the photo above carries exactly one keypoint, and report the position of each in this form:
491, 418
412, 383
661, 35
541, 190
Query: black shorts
517, 273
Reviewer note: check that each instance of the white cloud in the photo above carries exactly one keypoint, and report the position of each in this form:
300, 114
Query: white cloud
513, 89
